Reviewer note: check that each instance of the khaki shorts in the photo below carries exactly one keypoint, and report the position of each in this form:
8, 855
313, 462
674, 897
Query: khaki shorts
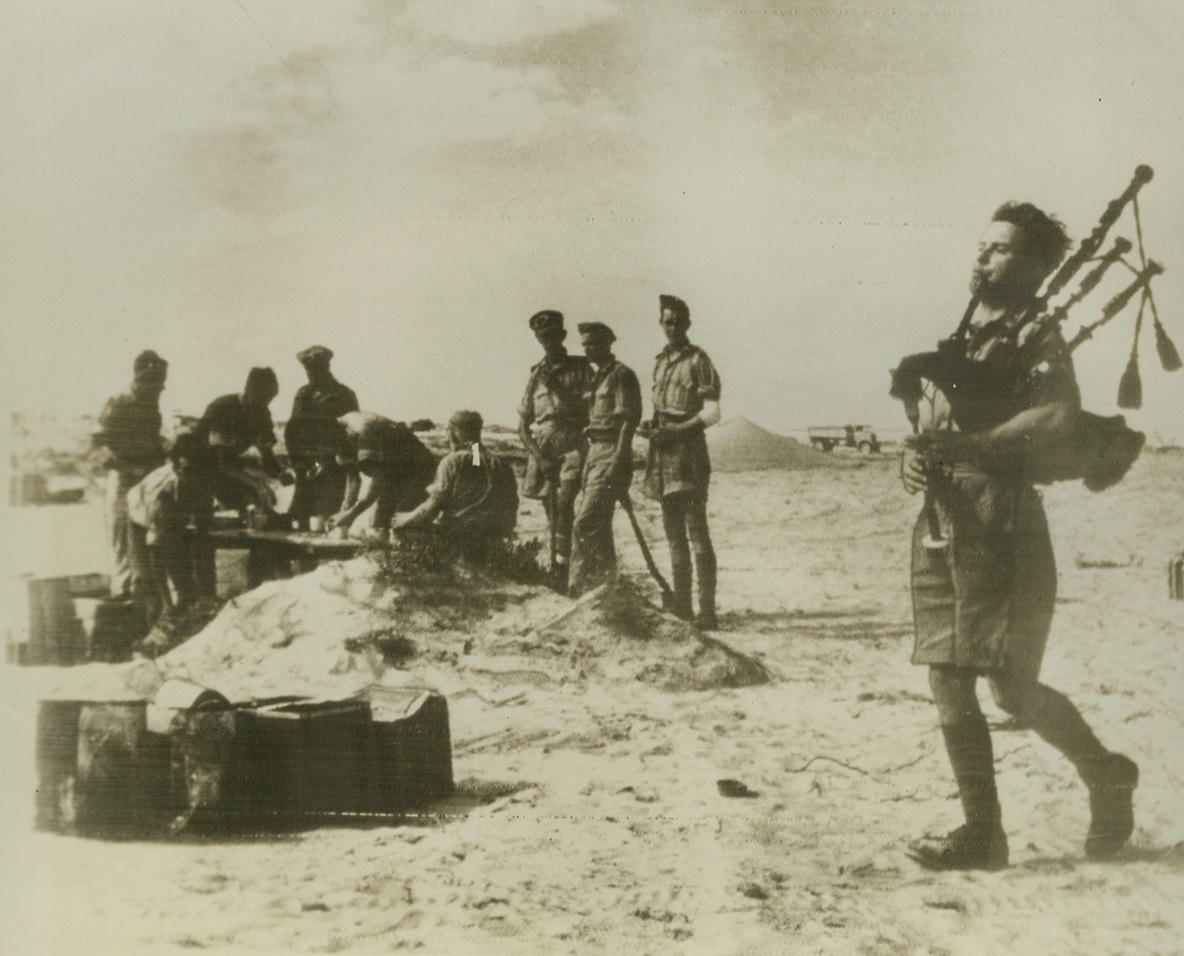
986, 600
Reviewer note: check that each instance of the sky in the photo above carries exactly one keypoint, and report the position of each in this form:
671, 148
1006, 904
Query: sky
407, 181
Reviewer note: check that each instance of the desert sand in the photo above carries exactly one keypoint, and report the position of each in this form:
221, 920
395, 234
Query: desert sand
587, 817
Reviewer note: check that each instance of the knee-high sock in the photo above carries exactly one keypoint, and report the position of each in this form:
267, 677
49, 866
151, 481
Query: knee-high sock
1052, 715
968, 743
705, 570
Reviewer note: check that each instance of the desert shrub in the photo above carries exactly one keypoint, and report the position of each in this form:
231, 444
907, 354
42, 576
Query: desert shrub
394, 649
426, 560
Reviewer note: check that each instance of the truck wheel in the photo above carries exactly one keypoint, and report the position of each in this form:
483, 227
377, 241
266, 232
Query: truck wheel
865, 447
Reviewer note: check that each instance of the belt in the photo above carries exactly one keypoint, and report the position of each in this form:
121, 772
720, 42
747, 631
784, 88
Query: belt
560, 421
674, 418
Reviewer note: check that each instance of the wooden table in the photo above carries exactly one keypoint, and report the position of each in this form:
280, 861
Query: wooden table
280, 554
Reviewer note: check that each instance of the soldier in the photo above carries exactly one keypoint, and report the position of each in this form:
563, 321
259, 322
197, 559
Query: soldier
311, 435
983, 600
551, 420
231, 426
614, 411
397, 463
678, 469
174, 506
473, 500
129, 428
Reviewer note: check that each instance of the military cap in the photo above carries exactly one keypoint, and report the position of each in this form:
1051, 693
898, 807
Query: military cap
264, 379
466, 420
546, 321
597, 330
148, 366
467, 423
675, 305
314, 354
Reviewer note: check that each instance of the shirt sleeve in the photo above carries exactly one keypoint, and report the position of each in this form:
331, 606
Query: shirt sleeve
526, 406
131, 432
706, 378
442, 483
629, 396
1057, 381
265, 435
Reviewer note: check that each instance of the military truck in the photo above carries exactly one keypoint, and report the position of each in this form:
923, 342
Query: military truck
830, 437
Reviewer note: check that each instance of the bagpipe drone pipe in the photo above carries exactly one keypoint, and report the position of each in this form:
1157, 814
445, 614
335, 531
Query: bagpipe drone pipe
983, 394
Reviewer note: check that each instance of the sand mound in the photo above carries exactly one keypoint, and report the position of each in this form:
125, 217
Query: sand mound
615, 633
335, 631
739, 445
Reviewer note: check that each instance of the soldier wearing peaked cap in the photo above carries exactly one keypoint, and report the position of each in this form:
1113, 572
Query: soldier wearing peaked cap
678, 469
551, 420
129, 427
311, 436
614, 411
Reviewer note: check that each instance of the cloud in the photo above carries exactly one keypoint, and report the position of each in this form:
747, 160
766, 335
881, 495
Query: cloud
479, 23
249, 166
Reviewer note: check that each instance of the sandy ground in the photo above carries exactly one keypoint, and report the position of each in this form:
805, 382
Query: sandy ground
587, 817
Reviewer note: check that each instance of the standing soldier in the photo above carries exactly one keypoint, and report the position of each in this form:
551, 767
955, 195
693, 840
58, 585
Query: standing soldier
551, 421
686, 402
311, 438
129, 428
614, 411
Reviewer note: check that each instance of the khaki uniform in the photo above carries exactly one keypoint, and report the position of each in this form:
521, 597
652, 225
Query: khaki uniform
476, 494
555, 408
986, 600
684, 378
309, 438
231, 428
678, 470
614, 397
399, 465
129, 428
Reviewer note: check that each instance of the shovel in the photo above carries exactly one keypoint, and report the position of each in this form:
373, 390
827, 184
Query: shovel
667, 594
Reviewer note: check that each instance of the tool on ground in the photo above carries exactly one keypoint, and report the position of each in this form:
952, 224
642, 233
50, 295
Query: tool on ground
667, 594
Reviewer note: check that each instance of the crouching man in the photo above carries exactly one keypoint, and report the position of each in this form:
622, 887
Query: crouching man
398, 465
473, 501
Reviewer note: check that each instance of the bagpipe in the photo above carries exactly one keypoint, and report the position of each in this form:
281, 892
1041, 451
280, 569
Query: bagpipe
985, 393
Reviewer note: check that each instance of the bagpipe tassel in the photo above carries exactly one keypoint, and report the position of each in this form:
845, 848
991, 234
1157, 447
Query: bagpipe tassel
1130, 387
1168, 356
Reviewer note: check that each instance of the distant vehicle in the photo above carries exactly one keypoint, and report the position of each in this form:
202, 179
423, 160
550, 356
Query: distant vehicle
830, 437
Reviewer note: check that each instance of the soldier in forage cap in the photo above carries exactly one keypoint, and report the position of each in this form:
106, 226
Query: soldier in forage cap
551, 421
678, 469
614, 411
311, 436
129, 427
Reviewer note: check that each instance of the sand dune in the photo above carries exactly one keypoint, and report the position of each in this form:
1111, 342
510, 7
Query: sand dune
740, 445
